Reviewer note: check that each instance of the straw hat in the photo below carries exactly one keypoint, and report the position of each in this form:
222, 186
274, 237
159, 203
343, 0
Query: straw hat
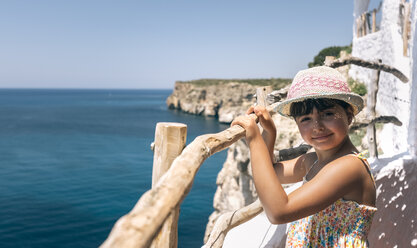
319, 82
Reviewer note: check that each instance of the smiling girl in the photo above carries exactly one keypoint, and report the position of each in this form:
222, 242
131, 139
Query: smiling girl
335, 205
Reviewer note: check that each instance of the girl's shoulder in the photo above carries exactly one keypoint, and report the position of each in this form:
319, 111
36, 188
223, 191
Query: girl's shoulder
349, 164
360, 161
357, 158
353, 163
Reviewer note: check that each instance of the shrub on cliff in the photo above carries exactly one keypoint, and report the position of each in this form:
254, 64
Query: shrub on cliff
329, 51
357, 87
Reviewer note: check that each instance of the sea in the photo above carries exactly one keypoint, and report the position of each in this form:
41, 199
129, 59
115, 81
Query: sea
74, 161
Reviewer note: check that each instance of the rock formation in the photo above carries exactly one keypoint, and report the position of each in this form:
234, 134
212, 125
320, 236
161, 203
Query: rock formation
235, 187
224, 100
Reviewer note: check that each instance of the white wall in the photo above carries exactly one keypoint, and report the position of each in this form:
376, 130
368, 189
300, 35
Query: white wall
393, 96
412, 136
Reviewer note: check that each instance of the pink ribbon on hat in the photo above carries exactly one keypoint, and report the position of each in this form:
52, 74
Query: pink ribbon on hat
311, 85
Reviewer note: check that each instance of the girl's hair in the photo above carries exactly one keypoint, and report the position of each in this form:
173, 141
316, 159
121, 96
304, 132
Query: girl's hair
306, 107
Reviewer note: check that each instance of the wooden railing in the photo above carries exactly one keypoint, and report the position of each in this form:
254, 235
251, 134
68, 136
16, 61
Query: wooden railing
405, 14
141, 225
153, 220
366, 22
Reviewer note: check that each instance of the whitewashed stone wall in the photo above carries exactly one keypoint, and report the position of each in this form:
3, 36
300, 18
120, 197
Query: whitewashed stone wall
395, 171
412, 136
393, 95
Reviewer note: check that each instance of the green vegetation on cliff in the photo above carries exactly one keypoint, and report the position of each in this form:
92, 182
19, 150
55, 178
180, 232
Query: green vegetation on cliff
357, 87
276, 83
329, 51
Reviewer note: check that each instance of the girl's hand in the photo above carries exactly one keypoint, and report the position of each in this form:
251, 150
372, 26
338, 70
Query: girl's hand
264, 118
249, 124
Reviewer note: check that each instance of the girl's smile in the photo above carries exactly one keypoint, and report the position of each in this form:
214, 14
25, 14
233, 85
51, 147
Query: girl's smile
322, 137
325, 129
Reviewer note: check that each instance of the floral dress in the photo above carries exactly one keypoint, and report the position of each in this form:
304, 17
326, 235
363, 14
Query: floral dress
343, 224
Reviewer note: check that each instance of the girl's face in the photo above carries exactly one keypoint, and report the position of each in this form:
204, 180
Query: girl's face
326, 129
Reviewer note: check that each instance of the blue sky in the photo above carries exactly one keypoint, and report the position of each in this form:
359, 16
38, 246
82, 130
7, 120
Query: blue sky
152, 44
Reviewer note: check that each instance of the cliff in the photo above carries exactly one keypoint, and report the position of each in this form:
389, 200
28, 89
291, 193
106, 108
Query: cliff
224, 99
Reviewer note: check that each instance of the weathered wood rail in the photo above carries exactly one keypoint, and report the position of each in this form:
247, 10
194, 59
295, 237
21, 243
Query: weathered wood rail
169, 142
366, 23
140, 226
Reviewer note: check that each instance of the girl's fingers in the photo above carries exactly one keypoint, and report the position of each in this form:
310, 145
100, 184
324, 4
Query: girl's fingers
250, 110
235, 122
243, 121
261, 112
238, 121
257, 110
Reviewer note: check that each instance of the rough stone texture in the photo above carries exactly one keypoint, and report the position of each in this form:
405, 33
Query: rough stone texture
225, 100
395, 222
412, 135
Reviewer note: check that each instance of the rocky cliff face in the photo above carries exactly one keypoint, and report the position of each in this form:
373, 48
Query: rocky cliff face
224, 100
235, 188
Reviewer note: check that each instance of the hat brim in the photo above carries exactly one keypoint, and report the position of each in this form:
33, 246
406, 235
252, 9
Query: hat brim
353, 99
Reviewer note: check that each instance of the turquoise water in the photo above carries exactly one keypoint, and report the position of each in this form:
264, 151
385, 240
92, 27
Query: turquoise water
74, 161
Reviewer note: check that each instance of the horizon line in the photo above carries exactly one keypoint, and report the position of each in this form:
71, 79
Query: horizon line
47, 88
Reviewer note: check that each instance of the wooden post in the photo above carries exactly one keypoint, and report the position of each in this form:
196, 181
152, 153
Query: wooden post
261, 94
363, 24
170, 140
374, 21
406, 27
371, 113
358, 27
328, 60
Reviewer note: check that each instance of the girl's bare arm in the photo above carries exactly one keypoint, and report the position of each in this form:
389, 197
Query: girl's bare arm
292, 171
269, 131
335, 180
